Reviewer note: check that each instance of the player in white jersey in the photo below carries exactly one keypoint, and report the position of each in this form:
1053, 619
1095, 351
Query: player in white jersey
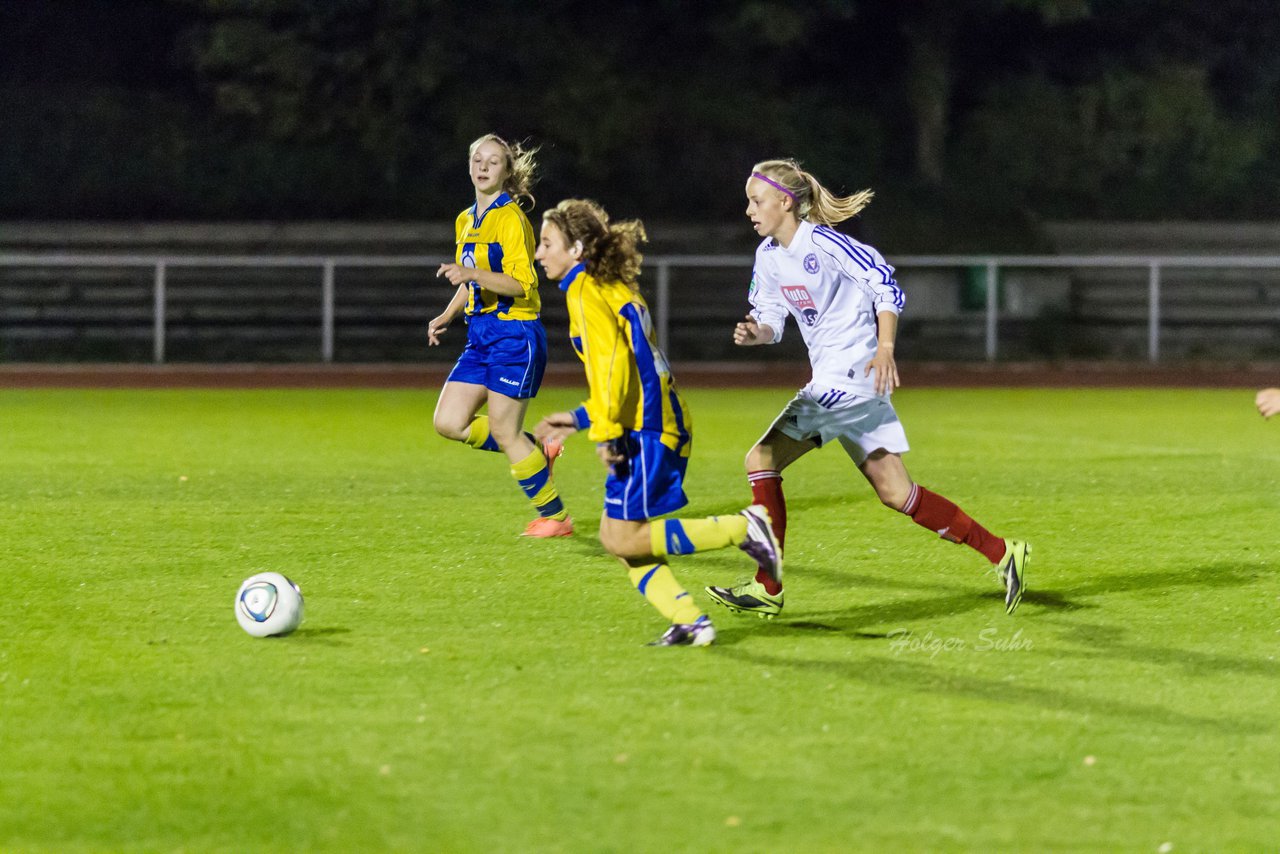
845, 301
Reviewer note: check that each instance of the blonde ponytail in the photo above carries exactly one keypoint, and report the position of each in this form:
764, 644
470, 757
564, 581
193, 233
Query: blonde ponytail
814, 202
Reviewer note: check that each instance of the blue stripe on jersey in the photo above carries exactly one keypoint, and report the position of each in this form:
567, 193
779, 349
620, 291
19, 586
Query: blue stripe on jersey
868, 260
495, 264
650, 381
860, 250
473, 300
858, 253
678, 414
502, 199
834, 238
885, 278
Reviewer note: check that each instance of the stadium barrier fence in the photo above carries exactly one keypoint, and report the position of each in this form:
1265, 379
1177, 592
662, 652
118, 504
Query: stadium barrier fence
982, 291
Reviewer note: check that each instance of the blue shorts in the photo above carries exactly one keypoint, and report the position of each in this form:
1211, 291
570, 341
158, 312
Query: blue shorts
650, 483
506, 356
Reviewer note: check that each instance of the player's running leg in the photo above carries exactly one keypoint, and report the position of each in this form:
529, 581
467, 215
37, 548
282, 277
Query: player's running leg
478, 435
888, 475
763, 595
455, 415
1011, 569
529, 467
748, 597
456, 418
631, 542
749, 530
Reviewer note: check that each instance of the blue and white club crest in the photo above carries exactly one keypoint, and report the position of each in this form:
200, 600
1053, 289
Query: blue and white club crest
811, 263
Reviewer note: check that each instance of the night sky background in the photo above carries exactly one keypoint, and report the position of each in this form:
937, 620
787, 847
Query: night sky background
974, 120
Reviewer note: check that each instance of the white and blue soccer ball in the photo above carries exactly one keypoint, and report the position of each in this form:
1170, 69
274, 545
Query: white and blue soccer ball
268, 604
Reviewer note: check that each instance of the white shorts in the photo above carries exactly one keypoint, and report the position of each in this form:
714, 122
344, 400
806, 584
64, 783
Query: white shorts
862, 425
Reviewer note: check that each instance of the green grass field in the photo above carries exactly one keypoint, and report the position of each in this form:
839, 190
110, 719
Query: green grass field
456, 688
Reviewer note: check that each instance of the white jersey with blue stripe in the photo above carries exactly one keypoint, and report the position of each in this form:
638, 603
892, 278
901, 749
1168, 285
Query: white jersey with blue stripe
834, 287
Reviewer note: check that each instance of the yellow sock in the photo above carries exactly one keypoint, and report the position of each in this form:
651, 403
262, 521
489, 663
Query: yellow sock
659, 586
686, 536
535, 479
478, 435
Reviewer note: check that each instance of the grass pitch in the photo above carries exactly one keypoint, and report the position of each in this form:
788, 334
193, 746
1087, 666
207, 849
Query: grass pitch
456, 688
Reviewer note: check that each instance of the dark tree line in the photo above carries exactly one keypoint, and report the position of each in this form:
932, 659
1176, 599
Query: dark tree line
974, 119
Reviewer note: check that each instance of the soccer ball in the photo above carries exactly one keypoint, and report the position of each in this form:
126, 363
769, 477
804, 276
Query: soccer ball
268, 604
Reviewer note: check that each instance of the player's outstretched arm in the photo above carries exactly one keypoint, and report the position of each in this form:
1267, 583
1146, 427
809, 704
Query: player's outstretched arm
1268, 401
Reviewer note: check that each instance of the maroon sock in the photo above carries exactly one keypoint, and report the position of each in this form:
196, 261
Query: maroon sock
933, 511
766, 489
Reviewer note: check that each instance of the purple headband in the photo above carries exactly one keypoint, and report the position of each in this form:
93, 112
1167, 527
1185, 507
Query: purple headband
774, 183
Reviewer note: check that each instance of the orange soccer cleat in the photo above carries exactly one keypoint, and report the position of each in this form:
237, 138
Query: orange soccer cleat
544, 527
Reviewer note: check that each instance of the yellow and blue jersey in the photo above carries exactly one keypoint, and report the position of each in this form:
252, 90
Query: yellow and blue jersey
499, 239
630, 382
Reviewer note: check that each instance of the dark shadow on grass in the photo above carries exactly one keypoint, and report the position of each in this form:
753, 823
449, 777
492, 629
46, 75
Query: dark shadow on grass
959, 600
1222, 574
936, 681
738, 629
981, 581
323, 634
1108, 642
850, 620
798, 626
1049, 599
1207, 575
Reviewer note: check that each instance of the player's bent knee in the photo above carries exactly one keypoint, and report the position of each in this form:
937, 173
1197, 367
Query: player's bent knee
507, 440
449, 430
505, 435
759, 458
626, 545
894, 499
610, 544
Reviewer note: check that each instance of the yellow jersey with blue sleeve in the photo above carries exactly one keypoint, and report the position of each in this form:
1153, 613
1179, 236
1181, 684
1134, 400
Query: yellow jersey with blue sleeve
499, 239
630, 382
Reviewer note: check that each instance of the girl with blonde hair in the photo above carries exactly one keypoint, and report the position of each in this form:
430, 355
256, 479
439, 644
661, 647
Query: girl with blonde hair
844, 299
502, 365
637, 418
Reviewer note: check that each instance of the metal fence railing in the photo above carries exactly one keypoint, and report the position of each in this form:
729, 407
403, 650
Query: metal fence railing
661, 266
